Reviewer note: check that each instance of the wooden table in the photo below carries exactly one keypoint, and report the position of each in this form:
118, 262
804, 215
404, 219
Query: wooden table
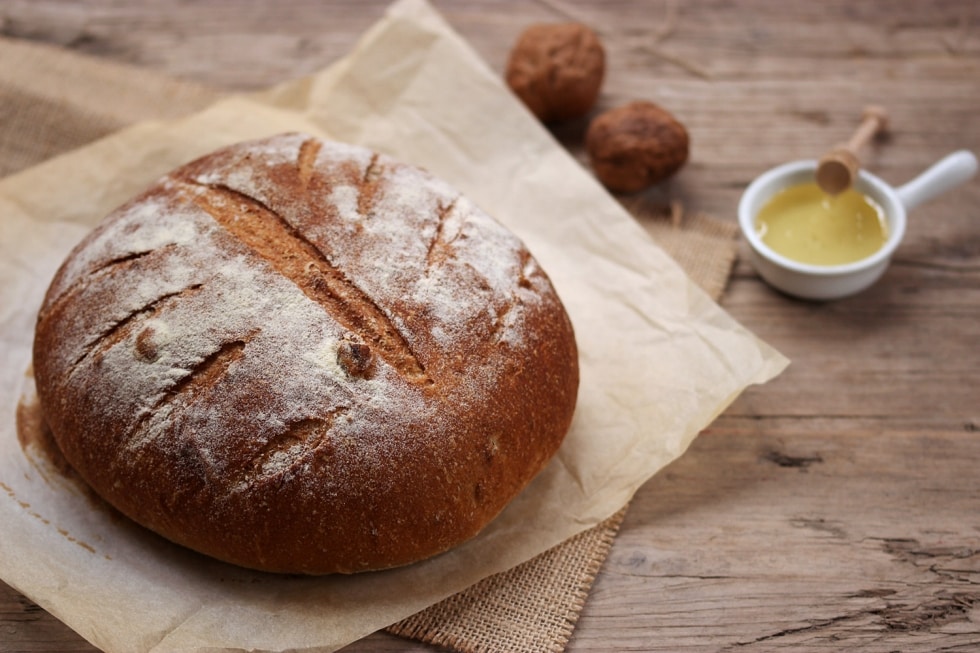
836, 508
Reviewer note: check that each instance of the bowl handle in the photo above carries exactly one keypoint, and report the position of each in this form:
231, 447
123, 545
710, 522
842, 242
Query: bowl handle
945, 174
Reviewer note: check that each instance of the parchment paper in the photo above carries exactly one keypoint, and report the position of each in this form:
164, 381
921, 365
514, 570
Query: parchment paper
659, 359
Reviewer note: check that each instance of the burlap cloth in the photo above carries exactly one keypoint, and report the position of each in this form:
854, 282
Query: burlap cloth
52, 101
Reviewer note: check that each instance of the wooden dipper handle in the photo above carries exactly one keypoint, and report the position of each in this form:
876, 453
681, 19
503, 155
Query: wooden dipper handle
838, 167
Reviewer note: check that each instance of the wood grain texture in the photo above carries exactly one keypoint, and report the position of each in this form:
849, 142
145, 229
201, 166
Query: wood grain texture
835, 508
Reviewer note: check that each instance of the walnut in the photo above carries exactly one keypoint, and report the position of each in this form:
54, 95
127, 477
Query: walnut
635, 146
557, 69
147, 348
355, 357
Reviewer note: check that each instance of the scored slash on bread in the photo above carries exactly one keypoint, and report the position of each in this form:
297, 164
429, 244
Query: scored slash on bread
276, 241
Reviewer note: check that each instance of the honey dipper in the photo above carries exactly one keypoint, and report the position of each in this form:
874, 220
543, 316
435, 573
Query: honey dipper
838, 167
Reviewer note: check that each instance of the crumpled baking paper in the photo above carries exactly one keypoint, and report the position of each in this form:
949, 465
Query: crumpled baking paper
659, 359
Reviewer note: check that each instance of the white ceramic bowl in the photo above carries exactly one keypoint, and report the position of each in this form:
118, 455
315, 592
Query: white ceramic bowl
823, 282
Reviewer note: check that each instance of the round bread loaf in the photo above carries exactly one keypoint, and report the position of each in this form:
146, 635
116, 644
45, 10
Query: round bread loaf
300, 356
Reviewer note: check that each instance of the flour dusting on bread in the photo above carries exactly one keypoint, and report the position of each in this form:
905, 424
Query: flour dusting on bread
299, 355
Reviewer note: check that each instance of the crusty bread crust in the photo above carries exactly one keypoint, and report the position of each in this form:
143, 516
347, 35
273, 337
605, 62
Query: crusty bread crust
300, 356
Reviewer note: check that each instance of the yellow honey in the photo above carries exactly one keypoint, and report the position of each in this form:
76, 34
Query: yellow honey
807, 225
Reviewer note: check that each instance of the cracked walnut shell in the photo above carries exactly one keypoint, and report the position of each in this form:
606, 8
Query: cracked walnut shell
556, 69
635, 146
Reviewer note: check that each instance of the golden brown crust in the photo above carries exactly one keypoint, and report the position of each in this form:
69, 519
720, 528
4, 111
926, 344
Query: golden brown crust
300, 356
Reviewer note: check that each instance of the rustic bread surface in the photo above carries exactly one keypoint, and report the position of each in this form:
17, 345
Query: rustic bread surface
300, 356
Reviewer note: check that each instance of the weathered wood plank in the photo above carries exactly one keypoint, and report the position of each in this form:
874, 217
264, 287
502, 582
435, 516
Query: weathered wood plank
812, 539
833, 509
